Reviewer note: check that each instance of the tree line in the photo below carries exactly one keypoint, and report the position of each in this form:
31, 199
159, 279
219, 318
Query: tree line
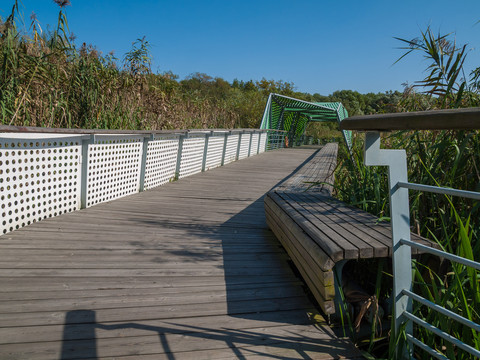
47, 80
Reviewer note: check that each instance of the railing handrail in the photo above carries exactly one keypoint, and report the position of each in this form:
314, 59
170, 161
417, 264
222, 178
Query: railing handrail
39, 130
448, 119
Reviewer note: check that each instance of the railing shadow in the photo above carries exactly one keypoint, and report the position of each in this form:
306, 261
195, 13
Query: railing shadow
72, 329
80, 342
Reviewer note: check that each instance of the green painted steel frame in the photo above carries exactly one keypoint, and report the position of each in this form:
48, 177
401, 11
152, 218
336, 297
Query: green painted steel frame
293, 115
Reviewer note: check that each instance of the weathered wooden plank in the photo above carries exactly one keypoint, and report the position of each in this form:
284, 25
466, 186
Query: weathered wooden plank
50, 283
122, 257
200, 271
169, 233
378, 239
171, 311
103, 263
369, 221
79, 331
134, 289
366, 244
320, 168
144, 245
292, 352
139, 299
333, 250
326, 233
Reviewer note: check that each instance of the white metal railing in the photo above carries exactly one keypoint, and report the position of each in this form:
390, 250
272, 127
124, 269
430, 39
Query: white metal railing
276, 139
47, 174
399, 186
401, 257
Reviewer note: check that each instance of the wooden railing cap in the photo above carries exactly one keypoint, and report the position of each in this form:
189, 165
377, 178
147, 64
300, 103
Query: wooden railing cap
451, 119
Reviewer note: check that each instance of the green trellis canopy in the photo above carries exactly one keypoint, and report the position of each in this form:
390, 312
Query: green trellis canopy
293, 115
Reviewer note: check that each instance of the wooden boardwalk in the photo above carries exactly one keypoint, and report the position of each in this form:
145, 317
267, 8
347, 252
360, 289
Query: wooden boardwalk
188, 270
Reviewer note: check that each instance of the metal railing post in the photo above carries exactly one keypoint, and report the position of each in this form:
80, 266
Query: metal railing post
205, 150
181, 137
143, 164
84, 176
225, 148
239, 144
258, 143
250, 145
396, 161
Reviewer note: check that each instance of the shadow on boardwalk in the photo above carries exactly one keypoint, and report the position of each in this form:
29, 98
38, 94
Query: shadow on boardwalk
185, 271
242, 343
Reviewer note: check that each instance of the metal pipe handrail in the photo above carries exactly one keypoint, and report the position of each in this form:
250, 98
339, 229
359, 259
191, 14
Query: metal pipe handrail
442, 334
446, 255
440, 190
442, 310
426, 348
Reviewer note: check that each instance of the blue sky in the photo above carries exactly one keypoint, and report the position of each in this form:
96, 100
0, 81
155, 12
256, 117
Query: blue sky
320, 46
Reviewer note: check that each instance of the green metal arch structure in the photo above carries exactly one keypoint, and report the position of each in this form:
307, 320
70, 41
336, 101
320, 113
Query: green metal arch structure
293, 115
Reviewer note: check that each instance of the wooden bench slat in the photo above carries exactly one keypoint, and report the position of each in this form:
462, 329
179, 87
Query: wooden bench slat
381, 231
378, 241
334, 251
340, 235
326, 237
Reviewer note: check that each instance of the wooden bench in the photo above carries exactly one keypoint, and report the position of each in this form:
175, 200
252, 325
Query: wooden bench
321, 233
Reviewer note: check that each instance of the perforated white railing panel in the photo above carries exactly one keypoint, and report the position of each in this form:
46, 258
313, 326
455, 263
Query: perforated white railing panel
41, 174
39, 178
254, 146
244, 146
263, 142
214, 152
161, 162
231, 150
113, 168
192, 156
